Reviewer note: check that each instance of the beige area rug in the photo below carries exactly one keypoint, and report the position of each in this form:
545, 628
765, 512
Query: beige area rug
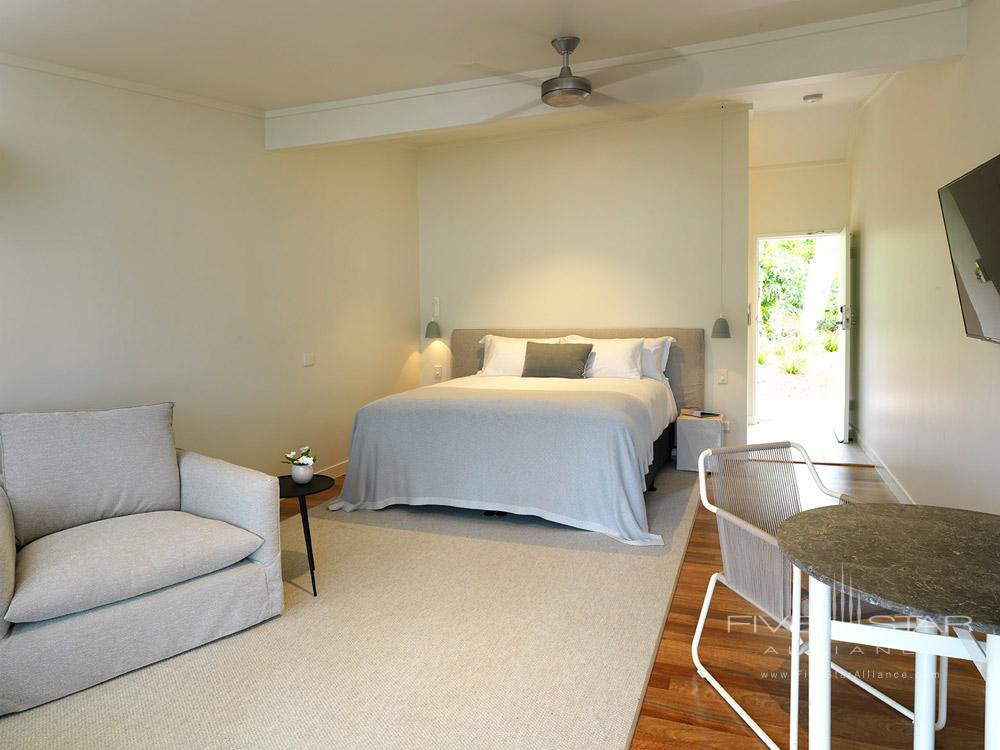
434, 628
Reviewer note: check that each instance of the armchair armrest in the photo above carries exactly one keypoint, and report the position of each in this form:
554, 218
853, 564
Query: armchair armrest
249, 499
8, 558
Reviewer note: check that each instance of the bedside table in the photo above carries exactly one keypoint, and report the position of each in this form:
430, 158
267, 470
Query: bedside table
288, 488
694, 435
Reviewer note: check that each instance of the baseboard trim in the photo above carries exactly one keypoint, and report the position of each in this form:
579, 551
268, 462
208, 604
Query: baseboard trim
884, 472
336, 470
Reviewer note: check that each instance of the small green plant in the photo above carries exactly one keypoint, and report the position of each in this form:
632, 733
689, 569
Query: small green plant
800, 344
793, 363
305, 457
832, 342
762, 356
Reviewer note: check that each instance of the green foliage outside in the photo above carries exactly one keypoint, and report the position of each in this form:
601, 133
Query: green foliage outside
830, 314
784, 271
784, 267
793, 362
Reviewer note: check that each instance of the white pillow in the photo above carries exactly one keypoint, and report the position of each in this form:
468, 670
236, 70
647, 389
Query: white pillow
505, 356
612, 358
654, 357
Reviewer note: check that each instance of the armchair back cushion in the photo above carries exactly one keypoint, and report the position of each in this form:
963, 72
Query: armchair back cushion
65, 469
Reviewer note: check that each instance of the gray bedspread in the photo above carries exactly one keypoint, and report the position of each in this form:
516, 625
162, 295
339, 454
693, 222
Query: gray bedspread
576, 457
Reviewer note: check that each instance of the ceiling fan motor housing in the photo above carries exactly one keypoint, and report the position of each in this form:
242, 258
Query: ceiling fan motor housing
565, 90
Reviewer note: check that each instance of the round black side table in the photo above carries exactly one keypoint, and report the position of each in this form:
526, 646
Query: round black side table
319, 483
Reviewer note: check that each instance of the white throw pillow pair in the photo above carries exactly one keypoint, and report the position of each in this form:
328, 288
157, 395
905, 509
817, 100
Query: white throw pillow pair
610, 358
626, 358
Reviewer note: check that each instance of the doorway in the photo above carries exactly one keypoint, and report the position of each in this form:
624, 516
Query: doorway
800, 353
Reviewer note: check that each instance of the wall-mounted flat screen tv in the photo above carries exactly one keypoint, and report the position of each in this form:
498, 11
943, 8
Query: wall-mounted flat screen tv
971, 209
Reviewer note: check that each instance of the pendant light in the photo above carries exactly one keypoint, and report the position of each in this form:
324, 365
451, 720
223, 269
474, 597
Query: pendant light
720, 329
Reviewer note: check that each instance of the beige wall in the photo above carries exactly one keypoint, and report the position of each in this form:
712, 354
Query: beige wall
615, 225
152, 250
929, 399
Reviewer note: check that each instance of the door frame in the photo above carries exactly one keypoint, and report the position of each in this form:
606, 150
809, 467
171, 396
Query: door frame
754, 313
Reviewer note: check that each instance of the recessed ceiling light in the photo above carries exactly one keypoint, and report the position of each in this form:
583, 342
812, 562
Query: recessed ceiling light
812, 98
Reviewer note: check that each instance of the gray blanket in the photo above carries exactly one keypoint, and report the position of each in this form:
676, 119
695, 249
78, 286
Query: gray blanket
576, 458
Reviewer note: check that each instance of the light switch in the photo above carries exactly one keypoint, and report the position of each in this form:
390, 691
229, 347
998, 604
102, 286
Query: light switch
308, 359
438, 372
722, 377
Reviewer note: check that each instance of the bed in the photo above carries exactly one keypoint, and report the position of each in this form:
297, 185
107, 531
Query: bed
576, 452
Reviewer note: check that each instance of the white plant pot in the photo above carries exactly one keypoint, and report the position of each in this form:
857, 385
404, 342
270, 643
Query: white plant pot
302, 474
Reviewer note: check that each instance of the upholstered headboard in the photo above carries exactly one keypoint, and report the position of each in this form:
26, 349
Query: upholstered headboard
685, 366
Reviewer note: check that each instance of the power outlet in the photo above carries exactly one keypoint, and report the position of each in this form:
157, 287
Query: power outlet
722, 377
308, 359
438, 372
725, 425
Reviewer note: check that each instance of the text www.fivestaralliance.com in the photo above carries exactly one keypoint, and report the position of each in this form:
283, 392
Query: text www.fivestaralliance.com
864, 674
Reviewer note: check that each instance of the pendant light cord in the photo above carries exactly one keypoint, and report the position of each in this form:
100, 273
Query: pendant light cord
722, 210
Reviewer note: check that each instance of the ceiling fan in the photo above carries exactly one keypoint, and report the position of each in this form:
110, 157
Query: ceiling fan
569, 90
566, 89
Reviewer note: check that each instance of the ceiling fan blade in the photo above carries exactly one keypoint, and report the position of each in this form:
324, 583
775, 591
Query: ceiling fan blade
626, 108
514, 112
507, 75
619, 73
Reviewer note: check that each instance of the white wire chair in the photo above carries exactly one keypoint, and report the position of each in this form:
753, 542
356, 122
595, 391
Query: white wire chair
755, 489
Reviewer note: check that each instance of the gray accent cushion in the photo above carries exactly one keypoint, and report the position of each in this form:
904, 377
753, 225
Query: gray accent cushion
64, 469
117, 558
555, 360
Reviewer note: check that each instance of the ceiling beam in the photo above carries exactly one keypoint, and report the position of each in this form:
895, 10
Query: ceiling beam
872, 43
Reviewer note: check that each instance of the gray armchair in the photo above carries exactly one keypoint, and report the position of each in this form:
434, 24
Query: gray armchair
117, 552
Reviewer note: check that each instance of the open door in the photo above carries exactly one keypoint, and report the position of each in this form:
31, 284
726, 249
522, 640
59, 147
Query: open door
842, 415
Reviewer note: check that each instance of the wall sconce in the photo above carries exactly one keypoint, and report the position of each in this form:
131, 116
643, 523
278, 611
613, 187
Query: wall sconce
433, 330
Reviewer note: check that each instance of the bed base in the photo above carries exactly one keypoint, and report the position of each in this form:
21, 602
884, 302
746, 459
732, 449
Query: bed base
662, 448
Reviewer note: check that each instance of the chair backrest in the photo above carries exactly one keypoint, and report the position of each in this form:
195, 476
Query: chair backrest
757, 486
65, 469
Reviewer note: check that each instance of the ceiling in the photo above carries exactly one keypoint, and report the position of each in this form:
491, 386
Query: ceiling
266, 54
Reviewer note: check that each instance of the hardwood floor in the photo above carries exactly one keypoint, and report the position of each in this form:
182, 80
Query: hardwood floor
680, 709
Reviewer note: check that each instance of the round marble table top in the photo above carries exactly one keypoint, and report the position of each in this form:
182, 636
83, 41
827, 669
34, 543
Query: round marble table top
913, 559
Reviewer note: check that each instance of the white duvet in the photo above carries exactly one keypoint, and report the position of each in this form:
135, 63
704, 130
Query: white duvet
656, 396
571, 451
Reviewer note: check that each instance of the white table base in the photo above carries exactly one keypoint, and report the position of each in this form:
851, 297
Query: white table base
925, 642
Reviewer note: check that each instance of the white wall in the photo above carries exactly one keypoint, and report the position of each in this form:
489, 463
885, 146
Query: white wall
616, 225
800, 175
799, 198
808, 133
152, 250
929, 399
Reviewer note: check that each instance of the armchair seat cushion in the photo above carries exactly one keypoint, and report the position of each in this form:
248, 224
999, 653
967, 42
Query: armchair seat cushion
113, 559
